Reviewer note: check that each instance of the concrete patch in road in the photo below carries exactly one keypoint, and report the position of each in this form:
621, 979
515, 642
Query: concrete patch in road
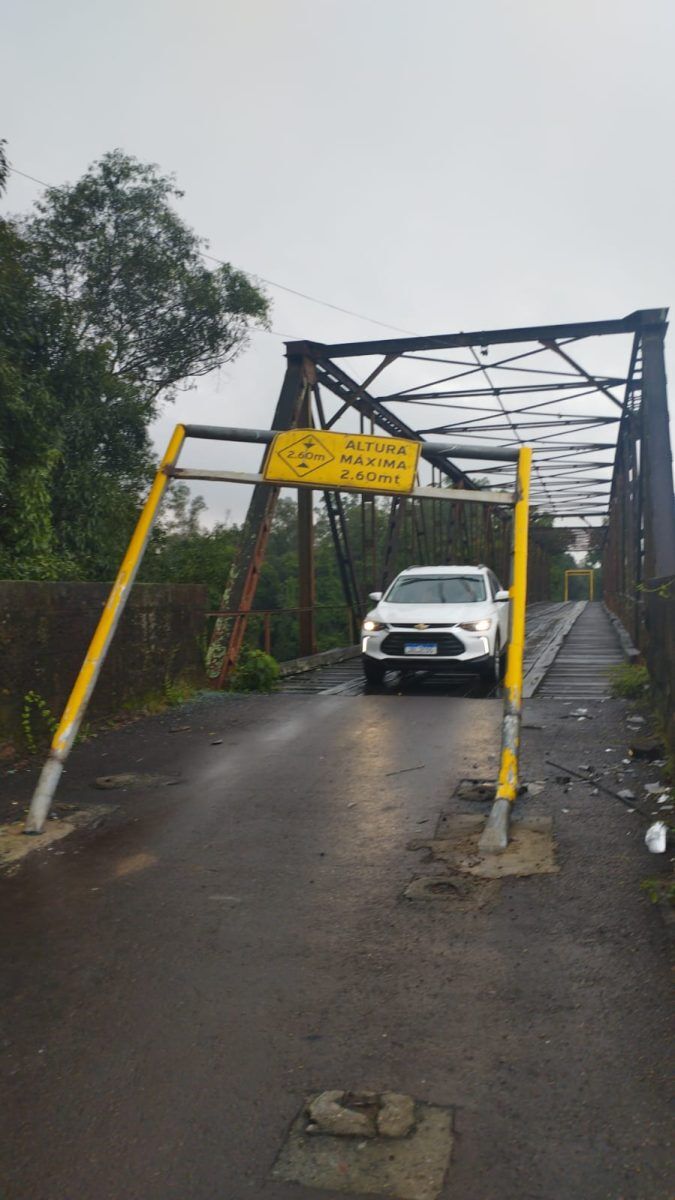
409, 1166
531, 849
133, 863
476, 789
108, 783
15, 845
483, 791
462, 892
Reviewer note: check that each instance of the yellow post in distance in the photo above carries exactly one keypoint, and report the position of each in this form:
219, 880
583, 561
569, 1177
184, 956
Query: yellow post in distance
588, 573
495, 835
78, 700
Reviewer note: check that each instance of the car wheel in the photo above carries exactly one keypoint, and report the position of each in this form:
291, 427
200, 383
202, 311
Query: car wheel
372, 669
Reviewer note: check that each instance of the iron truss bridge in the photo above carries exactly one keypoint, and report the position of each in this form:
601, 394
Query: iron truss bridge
589, 397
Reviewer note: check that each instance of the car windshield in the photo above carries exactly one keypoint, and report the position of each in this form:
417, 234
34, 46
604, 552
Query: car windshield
437, 589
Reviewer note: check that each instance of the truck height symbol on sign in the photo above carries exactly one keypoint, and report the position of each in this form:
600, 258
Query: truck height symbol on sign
343, 460
306, 455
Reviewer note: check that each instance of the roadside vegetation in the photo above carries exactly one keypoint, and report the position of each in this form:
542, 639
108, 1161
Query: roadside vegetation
107, 309
630, 681
254, 672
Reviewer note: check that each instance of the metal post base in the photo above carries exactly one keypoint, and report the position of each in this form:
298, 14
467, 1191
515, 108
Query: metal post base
43, 795
495, 837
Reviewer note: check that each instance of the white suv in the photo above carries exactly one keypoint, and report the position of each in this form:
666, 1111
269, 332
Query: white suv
437, 618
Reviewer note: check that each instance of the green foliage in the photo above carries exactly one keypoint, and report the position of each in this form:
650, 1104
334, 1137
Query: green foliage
182, 552
664, 591
130, 274
27, 414
658, 890
629, 681
169, 694
255, 672
181, 513
177, 691
106, 307
31, 701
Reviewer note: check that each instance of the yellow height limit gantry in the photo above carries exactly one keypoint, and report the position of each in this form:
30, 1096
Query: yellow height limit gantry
583, 572
392, 462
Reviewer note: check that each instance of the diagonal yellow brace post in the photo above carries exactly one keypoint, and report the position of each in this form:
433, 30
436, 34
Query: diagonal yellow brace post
78, 700
495, 836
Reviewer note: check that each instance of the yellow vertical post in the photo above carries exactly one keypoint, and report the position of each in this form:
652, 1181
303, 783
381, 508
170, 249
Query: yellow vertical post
587, 573
495, 836
78, 700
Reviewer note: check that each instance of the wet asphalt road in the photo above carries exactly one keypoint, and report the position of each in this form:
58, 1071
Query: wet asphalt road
177, 981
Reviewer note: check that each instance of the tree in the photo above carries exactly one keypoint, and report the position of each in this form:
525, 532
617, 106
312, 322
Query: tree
182, 514
27, 413
131, 276
74, 451
106, 307
183, 551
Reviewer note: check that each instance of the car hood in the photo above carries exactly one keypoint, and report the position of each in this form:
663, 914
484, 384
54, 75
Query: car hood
431, 614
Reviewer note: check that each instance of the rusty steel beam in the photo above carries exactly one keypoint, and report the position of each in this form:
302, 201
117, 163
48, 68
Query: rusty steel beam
504, 390
347, 389
386, 361
657, 466
597, 383
483, 337
239, 593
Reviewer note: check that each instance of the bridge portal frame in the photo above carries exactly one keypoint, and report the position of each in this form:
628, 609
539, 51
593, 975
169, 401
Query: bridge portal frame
495, 837
578, 572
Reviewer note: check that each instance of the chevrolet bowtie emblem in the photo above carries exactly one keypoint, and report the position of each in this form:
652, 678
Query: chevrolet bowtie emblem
421, 626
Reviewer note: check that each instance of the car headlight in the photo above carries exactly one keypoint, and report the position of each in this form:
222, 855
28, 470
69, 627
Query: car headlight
372, 626
477, 626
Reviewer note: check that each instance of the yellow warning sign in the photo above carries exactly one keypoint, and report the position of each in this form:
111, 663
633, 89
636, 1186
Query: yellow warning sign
351, 461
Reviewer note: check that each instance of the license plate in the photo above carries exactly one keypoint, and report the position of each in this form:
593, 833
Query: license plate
420, 648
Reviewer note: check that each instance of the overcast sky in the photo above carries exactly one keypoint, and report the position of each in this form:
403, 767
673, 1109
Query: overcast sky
437, 165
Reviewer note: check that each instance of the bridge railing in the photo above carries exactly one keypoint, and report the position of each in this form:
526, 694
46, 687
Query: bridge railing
267, 628
638, 558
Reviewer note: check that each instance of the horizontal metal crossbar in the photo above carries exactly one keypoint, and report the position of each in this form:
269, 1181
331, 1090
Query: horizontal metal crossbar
477, 496
229, 433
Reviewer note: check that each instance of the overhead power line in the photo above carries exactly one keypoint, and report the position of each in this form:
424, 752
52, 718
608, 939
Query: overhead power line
270, 282
314, 299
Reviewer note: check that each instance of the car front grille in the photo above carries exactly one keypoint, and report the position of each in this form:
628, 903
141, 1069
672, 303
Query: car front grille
448, 645
415, 630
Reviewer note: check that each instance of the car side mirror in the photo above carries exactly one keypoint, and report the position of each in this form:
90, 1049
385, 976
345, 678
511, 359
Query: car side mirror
375, 596
502, 596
